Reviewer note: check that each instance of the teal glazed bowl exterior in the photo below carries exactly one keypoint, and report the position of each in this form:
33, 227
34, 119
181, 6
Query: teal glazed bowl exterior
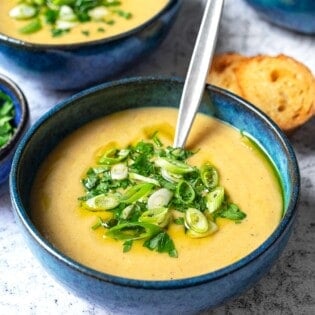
129, 296
295, 15
75, 66
21, 121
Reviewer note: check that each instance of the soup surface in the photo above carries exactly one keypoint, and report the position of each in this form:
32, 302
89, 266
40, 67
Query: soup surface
247, 176
114, 24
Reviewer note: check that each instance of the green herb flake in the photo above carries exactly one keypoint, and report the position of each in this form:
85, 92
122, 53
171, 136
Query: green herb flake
162, 243
124, 14
179, 221
56, 32
51, 16
85, 33
6, 119
231, 211
110, 22
127, 245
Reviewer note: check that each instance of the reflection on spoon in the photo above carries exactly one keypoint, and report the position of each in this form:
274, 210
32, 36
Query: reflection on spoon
198, 69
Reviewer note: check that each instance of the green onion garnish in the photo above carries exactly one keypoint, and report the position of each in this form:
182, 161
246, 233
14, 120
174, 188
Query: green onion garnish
65, 14
143, 185
32, 27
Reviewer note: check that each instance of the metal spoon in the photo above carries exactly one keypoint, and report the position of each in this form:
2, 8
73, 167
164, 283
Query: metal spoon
197, 71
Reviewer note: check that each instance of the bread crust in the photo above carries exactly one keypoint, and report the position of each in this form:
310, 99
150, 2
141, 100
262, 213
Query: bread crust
222, 72
280, 86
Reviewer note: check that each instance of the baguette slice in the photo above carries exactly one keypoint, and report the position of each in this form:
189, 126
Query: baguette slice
280, 86
222, 72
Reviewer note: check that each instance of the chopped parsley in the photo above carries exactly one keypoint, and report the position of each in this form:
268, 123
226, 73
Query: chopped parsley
86, 33
144, 185
6, 119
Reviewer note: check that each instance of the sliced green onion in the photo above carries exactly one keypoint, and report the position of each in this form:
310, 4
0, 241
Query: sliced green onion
65, 25
141, 178
67, 14
97, 224
160, 198
211, 229
32, 27
136, 192
126, 213
173, 166
209, 176
100, 169
172, 178
23, 11
119, 171
133, 231
113, 156
98, 13
195, 220
185, 192
158, 216
101, 202
214, 199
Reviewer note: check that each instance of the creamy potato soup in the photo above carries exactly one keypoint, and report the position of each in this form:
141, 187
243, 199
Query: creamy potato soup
247, 176
61, 22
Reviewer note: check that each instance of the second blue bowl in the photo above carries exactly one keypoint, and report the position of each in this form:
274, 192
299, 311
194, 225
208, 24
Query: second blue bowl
295, 15
74, 66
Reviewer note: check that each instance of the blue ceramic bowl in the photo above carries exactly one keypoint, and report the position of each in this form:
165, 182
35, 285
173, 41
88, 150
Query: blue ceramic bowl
21, 120
295, 15
130, 296
74, 66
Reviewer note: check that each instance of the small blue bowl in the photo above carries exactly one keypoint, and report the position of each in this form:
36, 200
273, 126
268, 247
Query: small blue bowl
21, 120
295, 15
74, 66
130, 296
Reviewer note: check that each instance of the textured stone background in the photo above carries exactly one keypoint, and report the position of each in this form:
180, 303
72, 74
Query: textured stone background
289, 288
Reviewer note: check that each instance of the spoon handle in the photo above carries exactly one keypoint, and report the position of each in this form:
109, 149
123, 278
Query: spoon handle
198, 70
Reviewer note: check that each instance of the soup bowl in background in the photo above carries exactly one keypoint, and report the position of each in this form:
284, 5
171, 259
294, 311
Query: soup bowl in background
294, 15
21, 121
78, 65
132, 296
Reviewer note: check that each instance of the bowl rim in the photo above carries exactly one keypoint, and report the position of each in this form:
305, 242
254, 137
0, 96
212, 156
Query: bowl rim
286, 221
15, 42
22, 102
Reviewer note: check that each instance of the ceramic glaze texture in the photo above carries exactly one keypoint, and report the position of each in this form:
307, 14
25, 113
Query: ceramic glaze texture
21, 121
74, 66
295, 15
122, 295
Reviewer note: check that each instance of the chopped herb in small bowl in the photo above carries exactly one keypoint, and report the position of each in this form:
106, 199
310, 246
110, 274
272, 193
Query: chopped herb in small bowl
13, 122
7, 127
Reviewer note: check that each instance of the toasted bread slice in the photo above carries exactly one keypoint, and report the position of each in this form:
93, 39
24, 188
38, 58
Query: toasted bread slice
281, 86
222, 72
